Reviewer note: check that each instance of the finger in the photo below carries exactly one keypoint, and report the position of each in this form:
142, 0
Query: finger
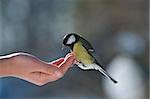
68, 55
66, 64
57, 62
60, 60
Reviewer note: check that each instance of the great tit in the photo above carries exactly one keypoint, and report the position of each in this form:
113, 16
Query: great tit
84, 54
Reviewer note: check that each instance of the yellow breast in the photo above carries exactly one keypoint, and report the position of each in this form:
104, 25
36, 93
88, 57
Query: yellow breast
81, 54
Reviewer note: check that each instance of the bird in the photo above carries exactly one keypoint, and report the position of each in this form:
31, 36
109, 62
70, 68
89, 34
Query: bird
84, 54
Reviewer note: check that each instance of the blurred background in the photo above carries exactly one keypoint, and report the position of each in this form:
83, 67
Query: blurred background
117, 29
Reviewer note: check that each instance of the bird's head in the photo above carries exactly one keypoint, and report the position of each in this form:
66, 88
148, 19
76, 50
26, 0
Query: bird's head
70, 39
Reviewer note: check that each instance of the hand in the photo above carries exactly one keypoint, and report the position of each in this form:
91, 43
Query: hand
32, 69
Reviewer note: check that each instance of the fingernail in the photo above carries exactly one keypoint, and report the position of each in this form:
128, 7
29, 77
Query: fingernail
69, 58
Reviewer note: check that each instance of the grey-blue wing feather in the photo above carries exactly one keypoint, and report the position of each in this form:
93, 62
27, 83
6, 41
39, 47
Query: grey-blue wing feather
90, 50
88, 46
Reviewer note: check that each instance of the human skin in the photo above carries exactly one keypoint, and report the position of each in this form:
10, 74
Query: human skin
32, 69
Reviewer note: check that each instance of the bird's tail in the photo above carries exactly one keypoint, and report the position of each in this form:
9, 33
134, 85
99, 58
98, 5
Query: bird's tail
97, 67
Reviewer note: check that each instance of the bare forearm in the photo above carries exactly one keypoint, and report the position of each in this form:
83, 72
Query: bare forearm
5, 64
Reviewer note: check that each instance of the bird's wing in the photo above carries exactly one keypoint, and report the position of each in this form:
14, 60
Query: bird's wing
88, 46
90, 50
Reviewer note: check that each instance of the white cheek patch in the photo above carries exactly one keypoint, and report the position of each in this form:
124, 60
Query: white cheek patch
71, 39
